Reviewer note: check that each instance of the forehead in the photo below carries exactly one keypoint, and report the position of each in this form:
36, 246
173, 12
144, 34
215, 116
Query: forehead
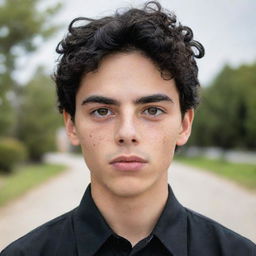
126, 76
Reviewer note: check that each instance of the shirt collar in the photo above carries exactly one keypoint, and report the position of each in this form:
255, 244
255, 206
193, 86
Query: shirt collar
91, 230
171, 228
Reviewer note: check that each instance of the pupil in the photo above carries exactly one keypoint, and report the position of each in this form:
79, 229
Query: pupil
103, 111
152, 111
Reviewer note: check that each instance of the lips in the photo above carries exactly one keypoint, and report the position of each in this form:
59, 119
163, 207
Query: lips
128, 163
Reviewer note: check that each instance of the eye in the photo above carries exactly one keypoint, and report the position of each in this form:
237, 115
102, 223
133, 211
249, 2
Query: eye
101, 112
153, 111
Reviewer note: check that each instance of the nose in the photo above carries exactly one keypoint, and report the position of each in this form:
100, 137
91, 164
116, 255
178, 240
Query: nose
126, 133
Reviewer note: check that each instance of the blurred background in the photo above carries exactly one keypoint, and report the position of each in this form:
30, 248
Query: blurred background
224, 132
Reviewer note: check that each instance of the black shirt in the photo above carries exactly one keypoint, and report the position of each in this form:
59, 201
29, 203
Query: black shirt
84, 232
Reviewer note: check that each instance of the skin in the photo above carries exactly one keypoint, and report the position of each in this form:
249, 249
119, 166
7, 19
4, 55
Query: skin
130, 201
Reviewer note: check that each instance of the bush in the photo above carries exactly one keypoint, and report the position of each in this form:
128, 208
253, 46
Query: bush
12, 152
38, 119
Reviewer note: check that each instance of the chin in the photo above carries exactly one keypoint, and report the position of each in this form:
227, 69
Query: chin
129, 188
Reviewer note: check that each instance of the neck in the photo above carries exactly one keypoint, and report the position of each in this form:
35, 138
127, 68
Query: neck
131, 217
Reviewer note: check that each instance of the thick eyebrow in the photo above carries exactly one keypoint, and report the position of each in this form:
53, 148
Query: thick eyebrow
101, 100
142, 100
153, 98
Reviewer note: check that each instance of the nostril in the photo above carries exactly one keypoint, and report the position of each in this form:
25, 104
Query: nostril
122, 141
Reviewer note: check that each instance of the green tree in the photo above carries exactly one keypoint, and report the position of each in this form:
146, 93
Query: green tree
227, 116
247, 75
23, 27
38, 117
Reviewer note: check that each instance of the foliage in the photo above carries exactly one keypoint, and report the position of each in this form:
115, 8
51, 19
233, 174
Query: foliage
23, 28
241, 173
227, 115
38, 117
6, 115
24, 178
12, 152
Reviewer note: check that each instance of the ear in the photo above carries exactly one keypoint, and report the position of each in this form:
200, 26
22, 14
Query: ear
70, 129
186, 126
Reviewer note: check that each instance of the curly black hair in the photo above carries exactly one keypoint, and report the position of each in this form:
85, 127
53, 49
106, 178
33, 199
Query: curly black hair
151, 30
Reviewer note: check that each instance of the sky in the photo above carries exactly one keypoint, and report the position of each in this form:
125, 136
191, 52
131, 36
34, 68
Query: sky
226, 28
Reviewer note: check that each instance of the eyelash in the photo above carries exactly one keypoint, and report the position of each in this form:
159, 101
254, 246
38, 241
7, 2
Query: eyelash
94, 112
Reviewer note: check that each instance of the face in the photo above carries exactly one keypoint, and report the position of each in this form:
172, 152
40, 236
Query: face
125, 109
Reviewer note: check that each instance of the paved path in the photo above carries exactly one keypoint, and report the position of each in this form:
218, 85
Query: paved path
208, 194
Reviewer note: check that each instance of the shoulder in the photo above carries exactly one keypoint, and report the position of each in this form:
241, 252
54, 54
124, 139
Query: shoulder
204, 230
42, 239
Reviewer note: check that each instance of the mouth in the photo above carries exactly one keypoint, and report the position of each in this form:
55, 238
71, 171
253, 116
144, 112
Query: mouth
128, 163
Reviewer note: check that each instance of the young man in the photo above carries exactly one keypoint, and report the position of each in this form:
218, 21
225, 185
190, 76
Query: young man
127, 87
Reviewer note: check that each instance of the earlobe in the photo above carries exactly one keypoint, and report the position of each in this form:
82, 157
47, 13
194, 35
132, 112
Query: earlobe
186, 126
70, 129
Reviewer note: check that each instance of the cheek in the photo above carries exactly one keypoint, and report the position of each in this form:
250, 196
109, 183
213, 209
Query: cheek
93, 139
163, 135
167, 149
167, 144
169, 139
163, 139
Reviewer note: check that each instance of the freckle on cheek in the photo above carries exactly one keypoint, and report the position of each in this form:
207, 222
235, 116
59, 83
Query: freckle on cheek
94, 141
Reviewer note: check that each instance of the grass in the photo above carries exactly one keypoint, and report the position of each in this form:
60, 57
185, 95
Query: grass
241, 173
25, 178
